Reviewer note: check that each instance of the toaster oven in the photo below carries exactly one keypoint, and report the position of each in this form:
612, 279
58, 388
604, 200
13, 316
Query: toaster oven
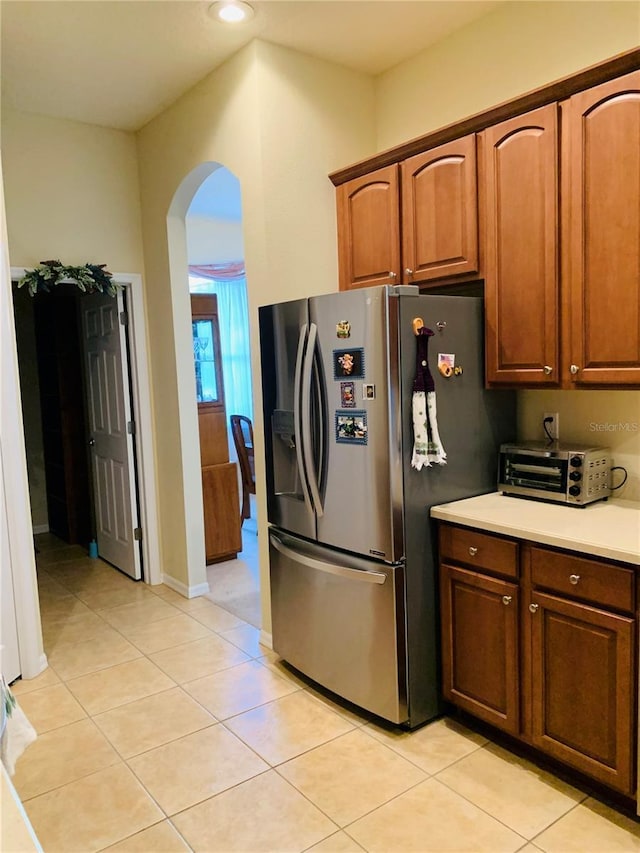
571, 474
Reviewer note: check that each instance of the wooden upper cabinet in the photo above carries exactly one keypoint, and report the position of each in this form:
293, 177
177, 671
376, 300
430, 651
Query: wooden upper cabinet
602, 228
368, 212
440, 212
520, 178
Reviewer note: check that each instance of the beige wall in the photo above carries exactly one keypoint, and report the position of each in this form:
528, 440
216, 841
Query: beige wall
598, 418
280, 121
515, 49
71, 193
518, 47
314, 118
214, 123
213, 241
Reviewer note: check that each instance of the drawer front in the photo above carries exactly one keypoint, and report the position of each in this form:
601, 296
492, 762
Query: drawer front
601, 583
480, 550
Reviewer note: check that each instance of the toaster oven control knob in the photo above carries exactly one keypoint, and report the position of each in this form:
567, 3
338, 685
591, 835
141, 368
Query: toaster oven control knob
574, 491
576, 461
575, 475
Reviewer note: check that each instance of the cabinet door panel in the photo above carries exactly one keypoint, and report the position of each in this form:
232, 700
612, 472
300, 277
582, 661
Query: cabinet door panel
604, 228
369, 229
440, 212
521, 266
582, 672
479, 645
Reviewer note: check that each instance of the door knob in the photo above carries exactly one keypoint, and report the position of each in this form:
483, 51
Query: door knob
574, 369
574, 579
507, 599
548, 369
533, 607
92, 441
408, 271
473, 551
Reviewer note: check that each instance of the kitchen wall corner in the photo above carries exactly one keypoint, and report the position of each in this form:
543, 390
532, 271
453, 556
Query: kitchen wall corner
598, 418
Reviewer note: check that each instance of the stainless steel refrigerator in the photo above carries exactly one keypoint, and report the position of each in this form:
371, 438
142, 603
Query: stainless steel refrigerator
353, 563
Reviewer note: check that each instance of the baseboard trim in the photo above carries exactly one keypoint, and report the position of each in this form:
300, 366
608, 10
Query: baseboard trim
183, 589
266, 640
40, 528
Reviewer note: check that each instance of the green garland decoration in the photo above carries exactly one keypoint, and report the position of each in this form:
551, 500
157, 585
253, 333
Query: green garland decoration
88, 278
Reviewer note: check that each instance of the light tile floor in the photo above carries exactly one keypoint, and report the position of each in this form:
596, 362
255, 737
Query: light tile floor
164, 726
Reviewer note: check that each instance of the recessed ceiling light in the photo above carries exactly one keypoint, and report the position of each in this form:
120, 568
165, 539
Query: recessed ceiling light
231, 11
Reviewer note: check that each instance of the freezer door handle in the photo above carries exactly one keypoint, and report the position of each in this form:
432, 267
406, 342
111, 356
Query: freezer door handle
297, 416
307, 441
361, 575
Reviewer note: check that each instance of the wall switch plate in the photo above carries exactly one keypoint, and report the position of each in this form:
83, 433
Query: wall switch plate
551, 428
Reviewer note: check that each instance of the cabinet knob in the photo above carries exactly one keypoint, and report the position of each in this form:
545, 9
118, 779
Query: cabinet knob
533, 607
408, 271
548, 369
574, 579
473, 551
393, 275
507, 599
574, 369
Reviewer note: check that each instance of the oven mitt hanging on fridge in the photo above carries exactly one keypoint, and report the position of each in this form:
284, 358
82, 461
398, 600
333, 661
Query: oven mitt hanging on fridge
427, 445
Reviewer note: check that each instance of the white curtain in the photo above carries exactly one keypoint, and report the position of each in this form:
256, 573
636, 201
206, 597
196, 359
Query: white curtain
233, 318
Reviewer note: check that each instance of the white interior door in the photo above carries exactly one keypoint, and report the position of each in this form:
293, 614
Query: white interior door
111, 439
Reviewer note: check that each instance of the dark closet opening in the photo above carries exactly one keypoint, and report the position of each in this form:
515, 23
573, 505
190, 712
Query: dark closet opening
59, 358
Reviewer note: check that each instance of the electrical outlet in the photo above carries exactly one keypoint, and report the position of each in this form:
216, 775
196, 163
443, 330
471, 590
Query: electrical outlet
552, 427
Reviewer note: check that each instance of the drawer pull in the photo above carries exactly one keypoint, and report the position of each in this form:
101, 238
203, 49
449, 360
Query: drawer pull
473, 551
534, 607
507, 599
574, 579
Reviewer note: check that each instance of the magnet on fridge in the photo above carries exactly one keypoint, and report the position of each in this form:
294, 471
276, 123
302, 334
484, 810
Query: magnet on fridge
347, 395
348, 363
343, 329
351, 427
446, 363
368, 391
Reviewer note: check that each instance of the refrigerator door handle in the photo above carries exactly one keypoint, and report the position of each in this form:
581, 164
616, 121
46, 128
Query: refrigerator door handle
307, 441
361, 575
297, 417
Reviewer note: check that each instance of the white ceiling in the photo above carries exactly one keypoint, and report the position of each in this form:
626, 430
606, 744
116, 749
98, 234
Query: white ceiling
118, 63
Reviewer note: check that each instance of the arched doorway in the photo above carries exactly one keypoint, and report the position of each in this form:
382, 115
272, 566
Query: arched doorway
206, 230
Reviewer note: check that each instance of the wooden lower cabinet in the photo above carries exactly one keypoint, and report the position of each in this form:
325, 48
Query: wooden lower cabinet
549, 659
480, 645
582, 705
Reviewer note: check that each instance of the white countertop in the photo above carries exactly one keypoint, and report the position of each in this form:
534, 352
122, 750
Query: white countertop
604, 529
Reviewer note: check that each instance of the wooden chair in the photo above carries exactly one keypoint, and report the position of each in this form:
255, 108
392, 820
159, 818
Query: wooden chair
242, 431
